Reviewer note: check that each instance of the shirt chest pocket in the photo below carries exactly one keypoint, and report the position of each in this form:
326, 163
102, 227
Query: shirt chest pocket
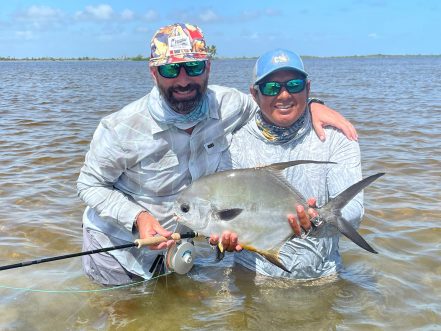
211, 157
218, 145
155, 163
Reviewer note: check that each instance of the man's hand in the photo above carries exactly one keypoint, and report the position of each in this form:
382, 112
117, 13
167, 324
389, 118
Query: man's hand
324, 116
229, 241
148, 226
302, 221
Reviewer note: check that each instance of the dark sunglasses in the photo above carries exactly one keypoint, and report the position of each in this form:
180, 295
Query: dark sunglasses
273, 88
172, 70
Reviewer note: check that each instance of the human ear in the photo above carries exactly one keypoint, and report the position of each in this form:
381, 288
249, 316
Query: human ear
154, 72
308, 88
254, 93
207, 67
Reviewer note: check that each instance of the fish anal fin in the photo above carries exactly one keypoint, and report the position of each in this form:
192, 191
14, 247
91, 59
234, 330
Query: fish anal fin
272, 256
228, 214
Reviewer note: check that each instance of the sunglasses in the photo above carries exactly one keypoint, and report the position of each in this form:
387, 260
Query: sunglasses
273, 88
172, 70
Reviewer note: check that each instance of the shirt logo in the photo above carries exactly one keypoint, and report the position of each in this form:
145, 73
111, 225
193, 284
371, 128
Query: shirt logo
179, 42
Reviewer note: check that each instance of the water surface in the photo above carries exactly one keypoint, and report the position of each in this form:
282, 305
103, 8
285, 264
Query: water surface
49, 111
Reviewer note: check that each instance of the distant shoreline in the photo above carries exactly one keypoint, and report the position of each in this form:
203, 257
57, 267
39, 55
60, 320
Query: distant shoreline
141, 58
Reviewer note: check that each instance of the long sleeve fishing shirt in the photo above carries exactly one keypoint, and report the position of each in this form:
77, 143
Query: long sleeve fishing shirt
136, 163
318, 255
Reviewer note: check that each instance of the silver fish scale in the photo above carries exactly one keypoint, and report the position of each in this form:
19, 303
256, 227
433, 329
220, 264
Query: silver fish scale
265, 197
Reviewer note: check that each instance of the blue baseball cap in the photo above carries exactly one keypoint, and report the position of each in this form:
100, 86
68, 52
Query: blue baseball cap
276, 60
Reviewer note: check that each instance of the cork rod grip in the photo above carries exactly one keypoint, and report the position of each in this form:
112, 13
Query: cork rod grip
156, 240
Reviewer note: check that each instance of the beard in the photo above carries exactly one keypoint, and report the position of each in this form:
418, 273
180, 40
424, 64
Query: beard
183, 107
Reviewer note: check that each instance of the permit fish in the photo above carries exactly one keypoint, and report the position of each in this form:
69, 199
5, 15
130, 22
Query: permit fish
254, 203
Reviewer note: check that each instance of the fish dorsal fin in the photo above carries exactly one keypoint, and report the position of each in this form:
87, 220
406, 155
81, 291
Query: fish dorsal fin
283, 165
228, 214
276, 170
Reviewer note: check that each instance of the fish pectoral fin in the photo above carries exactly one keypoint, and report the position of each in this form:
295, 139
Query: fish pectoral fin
272, 256
228, 214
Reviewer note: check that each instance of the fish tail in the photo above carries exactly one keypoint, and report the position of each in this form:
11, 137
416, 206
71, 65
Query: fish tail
331, 212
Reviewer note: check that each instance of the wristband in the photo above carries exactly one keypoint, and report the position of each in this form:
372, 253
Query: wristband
316, 100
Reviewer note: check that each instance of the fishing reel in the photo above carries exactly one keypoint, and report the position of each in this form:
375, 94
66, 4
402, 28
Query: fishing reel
179, 257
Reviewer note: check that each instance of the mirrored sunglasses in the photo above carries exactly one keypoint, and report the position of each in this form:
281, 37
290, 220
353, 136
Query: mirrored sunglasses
273, 88
172, 70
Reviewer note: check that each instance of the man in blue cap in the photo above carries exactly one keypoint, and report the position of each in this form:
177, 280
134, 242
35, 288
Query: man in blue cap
281, 130
142, 156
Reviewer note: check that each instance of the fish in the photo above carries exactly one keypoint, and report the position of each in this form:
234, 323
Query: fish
254, 203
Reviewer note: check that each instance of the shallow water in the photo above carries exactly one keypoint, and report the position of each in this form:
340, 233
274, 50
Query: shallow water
49, 111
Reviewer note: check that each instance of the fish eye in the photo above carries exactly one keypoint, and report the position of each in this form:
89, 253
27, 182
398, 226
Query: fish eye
185, 208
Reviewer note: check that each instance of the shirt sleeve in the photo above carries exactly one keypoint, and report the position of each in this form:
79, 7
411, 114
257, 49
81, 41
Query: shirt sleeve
345, 173
105, 161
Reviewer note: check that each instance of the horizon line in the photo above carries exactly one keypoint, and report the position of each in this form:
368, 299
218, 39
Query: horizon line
142, 58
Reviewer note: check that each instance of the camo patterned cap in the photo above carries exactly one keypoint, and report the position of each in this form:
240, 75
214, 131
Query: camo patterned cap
177, 43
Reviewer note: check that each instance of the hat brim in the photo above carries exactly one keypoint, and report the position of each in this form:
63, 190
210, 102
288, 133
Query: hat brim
180, 58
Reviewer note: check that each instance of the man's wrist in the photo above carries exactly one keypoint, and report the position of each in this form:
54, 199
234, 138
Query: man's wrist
316, 100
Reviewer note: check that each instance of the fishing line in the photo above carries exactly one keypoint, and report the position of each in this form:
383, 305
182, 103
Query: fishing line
28, 289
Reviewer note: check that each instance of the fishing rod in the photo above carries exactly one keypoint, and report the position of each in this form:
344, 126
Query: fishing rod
138, 243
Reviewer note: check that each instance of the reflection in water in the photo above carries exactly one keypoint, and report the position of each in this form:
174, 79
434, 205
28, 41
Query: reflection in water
49, 111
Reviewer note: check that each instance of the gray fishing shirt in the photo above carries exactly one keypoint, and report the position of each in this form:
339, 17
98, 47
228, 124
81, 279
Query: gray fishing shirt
135, 163
318, 255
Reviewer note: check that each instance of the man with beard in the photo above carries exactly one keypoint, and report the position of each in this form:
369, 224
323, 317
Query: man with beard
142, 156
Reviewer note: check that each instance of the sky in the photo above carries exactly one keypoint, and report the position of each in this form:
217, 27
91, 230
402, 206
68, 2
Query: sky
106, 29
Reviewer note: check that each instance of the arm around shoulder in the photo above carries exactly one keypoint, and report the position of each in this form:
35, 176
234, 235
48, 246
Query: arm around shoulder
323, 116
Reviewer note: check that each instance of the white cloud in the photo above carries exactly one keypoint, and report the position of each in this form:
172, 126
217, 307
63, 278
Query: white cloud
272, 12
250, 14
247, 34
208, 15
26, 35
373, 35
142, 29
127, 14
101, 12
39, 14
151, 15
42, 12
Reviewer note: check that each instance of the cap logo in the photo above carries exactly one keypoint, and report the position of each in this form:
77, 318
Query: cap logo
179, 42
280, 58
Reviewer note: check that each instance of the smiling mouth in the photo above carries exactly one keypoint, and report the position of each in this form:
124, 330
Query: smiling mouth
183, 93
284, 107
